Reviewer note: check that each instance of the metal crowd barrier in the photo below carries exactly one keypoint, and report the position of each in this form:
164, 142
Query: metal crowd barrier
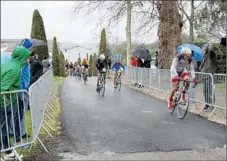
211, 89
14, 116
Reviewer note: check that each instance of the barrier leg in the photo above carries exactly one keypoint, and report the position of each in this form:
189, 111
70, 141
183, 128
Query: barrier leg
42, 144
18, 158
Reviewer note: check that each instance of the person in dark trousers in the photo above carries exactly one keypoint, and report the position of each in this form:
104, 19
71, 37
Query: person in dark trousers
46, 64
208, 65
156, 59
36, 68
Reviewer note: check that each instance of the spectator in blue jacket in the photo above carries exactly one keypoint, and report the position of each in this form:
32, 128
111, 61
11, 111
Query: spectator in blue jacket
24, 97
24, 85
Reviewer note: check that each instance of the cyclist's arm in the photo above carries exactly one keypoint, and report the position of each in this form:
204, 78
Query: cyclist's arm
173, 68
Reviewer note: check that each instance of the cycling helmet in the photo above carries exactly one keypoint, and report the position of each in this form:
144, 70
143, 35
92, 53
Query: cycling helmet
185, 50
102, 57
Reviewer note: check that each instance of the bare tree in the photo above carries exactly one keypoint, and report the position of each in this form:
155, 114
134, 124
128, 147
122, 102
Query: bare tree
190, 18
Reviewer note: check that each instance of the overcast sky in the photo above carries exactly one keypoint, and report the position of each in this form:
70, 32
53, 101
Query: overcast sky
16, 19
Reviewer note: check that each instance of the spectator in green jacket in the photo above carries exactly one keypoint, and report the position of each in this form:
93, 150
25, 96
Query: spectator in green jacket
10, 81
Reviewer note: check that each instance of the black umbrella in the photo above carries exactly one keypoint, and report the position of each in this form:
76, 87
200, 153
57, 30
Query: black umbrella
140, 53
223, 41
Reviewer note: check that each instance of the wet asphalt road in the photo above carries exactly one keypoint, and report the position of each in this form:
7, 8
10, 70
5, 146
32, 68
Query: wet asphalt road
128, 121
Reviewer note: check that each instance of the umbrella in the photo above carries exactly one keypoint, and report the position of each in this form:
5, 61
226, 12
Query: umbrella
140, 53
30, 43
5, 57
198, 53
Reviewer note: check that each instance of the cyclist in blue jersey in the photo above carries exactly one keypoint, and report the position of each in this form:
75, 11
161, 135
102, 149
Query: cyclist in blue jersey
116, 67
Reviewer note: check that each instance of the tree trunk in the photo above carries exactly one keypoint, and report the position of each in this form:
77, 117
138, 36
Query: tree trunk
128, 31
191, 21
169, 32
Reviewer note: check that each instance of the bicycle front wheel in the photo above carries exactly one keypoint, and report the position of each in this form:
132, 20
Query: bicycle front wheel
182, 106
102, 90
118, 87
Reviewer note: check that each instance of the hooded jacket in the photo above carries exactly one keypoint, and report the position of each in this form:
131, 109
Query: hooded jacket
11, 72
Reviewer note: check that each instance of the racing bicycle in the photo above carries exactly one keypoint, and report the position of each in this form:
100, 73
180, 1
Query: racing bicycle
181, 106
118, 81
102, 82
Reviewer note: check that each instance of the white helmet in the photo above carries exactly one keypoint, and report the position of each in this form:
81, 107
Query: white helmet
185, 50
102, 57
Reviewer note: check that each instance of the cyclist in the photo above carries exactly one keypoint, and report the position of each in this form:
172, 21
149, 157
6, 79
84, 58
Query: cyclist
180, 68
84, 68
116, 67
101, 63
109, 62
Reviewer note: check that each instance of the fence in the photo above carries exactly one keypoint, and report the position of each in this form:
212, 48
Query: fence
211, 89
14, 118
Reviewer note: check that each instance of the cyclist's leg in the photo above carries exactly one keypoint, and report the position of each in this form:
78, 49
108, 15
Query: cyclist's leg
185, 76
175, 86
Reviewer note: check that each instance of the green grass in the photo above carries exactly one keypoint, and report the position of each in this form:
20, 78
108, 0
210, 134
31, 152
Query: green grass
55, 125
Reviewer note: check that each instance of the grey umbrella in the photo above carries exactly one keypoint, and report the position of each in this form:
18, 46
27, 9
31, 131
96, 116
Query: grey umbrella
38, 42
140, 53
30, 43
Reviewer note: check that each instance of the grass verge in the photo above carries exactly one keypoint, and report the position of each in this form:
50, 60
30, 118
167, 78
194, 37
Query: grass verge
36, 148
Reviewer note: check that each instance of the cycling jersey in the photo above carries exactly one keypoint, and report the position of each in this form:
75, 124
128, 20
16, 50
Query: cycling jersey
180, 66
116, 66
101, 64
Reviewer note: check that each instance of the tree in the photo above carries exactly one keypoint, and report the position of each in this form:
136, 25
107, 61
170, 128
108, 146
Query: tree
102, 44
61, 65
169, 32
93, 63
38, 32
91, 68
128, 32
212, 20
194, 8
55, 57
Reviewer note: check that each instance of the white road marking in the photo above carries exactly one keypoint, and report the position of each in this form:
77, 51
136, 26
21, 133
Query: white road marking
146, 111
95, 117
165, 122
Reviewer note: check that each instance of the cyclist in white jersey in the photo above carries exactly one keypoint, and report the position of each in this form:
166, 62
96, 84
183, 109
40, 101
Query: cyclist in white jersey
180, 68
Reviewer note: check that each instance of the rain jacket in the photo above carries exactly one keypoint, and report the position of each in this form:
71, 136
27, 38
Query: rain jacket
25, 77
11, 72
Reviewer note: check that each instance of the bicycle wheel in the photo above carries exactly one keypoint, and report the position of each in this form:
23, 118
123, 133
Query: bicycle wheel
182, 107
118, 86
175, 101
102, 88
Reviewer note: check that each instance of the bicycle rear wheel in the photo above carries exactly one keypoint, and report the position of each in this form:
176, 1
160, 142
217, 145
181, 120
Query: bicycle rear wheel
118, 87
102, 89
182, 108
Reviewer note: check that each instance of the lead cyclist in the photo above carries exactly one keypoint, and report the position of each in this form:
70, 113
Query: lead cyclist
180, 68
117, 66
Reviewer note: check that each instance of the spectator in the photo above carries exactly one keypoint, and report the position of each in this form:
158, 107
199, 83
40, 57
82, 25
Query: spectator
134, 61
46, 64
10, 80
192, 90
36, 68
208, 65
71, 69
24, 98
156, 59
